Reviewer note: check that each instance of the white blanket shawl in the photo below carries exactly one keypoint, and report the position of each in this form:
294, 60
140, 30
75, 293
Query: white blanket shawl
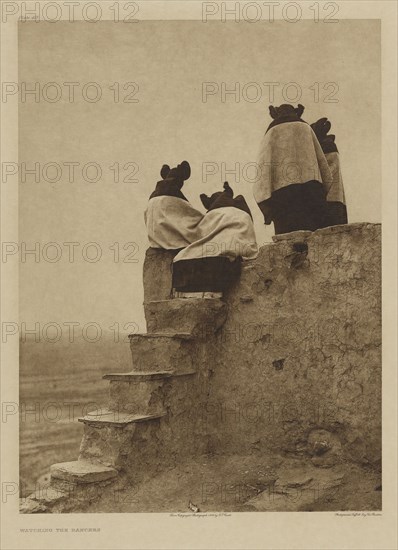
224, 231
290, 153
171, 222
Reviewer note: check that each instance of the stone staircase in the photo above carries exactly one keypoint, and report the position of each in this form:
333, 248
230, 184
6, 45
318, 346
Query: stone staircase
294, 371
149, 408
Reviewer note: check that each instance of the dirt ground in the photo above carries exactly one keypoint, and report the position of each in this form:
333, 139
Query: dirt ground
249, 484
57, 390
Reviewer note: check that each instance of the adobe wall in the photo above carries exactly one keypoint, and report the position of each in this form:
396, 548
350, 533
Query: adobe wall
299, 358
296, 368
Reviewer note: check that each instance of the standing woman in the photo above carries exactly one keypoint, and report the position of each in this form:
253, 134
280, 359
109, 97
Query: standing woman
295, 177
336, 205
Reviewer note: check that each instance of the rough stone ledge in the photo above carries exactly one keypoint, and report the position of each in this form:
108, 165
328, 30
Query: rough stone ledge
138, 376
168, 334
118, 419
42, 500
142, 376
294, 235
31, 506
216, 303
82, 471
189, 315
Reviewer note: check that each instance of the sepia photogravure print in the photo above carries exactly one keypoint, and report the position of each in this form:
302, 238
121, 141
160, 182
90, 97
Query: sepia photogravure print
196, 324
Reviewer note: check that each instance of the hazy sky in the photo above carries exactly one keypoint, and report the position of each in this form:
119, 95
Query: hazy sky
169, 61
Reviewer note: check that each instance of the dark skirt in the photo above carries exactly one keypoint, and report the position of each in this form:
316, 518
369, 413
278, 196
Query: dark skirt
337, 213
214, 274
301, 206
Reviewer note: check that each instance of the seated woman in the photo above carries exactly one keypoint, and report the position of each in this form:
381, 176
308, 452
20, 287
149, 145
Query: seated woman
170, 219
295, 176
226, 236
336, 205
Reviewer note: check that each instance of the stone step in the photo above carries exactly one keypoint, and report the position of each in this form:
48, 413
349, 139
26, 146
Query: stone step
163, 352
82, 471
137, 376
144, 376
139, 392
108, 438
171, 334
117, 419
197, 316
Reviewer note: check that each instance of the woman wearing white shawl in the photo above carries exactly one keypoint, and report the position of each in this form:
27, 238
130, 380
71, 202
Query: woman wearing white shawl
226, 236
294, 174
171, 221
336, 205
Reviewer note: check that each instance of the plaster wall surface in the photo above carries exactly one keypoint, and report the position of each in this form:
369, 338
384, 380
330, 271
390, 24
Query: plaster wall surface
296, 367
